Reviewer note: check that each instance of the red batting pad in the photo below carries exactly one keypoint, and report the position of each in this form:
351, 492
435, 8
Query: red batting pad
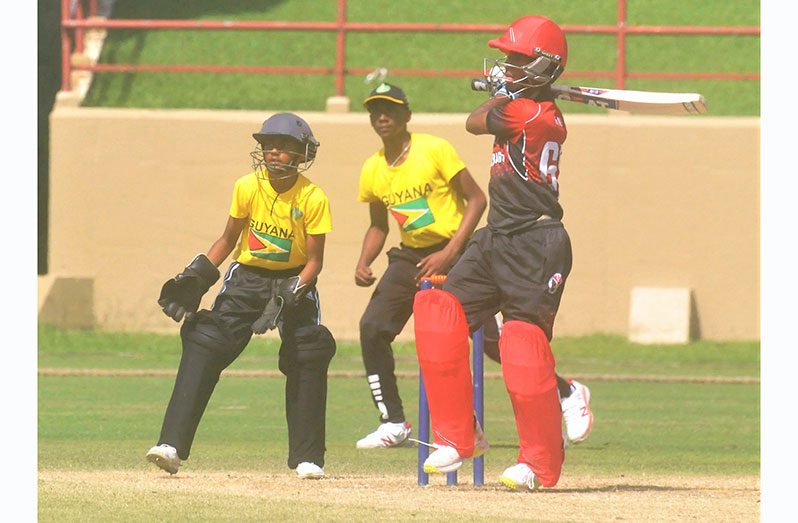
442, 348
528, 369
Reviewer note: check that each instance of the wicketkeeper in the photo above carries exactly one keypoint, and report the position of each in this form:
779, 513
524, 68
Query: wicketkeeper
277, 225
518, 265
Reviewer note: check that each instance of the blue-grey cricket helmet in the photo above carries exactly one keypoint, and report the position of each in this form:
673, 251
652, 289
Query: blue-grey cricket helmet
289, 124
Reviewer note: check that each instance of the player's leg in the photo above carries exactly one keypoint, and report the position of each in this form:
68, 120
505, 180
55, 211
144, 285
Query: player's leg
211, 341
385, 316
207, 347
305, 353
551, 276
491, 330
531, 269
528, 371
442, 346
574, 396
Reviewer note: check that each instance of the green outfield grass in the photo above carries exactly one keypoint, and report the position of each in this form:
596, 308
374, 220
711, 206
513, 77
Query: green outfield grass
692, 428
599, 354
93, 423
105, 424
411, 50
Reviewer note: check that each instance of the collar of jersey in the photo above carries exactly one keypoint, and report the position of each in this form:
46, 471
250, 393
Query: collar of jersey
271, 192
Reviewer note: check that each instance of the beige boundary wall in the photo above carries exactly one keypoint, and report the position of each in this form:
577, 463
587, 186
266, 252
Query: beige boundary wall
650, 201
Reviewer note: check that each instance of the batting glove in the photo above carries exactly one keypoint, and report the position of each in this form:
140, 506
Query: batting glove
504, 91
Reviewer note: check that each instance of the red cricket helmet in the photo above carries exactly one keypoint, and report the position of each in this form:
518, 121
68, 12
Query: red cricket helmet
540, 39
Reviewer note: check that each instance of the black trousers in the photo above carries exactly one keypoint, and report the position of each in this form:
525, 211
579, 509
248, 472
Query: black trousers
523, 275
214, 338
385, 316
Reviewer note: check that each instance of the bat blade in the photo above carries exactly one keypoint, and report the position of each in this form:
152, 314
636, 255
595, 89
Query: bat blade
639, 102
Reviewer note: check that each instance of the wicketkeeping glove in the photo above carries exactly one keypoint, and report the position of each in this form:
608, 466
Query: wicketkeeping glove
289, 292
270, 317
181, 295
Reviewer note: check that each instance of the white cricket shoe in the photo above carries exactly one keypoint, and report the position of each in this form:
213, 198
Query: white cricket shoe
520, 476
165, 456
576, 413
307, 470
386, 436
446, 459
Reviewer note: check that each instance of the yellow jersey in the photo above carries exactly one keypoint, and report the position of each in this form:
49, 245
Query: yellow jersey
276, 236
417, 192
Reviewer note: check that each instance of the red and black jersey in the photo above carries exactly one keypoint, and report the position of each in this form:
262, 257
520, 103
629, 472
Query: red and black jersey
524, 172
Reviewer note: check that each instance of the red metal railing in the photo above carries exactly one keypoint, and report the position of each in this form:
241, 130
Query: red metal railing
73, 20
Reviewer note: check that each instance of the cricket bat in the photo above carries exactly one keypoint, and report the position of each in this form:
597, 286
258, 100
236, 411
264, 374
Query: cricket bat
638, 102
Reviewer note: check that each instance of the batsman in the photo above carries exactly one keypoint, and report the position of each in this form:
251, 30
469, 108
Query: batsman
517, 265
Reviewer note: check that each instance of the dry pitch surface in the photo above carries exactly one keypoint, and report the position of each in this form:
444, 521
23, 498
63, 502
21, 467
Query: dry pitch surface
627, 497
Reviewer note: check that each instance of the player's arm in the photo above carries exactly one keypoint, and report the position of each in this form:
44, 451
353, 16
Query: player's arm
373, 242
225, 244
477, 121
476, 202
315, 247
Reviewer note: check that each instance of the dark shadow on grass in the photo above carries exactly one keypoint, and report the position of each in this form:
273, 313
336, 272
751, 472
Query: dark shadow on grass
128, 78
160, 10
103, 85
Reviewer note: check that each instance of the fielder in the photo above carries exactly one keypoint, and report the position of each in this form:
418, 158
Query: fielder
277, 225
423, 183
518, 265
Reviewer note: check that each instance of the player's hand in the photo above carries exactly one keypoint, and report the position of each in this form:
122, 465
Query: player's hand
504, 91
436, 263
363, 276
290, 291
498, 83
181, 295
495, 78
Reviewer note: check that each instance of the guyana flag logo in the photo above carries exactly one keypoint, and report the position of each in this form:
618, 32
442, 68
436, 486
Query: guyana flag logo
268, 247
413, 215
